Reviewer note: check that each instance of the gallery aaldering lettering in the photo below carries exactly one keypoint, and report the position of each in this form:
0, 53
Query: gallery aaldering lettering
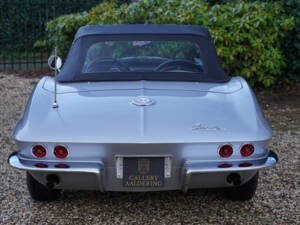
143, 181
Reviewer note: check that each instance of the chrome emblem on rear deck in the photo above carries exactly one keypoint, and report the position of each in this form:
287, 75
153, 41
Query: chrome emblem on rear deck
142, 101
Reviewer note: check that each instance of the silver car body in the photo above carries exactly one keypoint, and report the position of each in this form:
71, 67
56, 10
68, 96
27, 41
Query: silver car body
180, 123
99, 123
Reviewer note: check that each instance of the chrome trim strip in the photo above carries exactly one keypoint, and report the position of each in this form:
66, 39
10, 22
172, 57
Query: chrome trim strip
195, 168
94, 168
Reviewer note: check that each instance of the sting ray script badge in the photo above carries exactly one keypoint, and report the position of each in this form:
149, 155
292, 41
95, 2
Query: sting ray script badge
199, 126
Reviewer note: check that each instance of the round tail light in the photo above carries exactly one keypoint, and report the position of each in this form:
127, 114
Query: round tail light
225, 151
247, 150
39, 151
60, 152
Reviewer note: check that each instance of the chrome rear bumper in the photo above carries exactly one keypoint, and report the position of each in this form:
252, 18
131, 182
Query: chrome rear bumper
75, 167
199, 167
194, 173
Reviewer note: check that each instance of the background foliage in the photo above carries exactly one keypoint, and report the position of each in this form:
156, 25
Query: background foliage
22, 23
248, 36
20, 19
291, 45
292, 42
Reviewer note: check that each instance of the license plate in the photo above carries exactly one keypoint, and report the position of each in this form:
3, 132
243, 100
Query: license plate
143, 172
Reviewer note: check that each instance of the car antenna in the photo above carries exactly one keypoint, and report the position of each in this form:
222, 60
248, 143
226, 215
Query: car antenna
55, 105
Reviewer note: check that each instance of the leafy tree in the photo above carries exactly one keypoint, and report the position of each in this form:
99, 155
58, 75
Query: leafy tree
248, 36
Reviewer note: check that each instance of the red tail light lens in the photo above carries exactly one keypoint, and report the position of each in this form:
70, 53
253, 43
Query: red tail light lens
225, 151
60, 152
39, 151
41, 165
225, 165
245, 164
247, 150
62, 165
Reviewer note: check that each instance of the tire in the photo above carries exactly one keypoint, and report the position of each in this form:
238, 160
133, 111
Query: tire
243, 192
40, 192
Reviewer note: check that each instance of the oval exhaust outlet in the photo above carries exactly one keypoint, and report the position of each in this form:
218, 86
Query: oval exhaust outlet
234, 178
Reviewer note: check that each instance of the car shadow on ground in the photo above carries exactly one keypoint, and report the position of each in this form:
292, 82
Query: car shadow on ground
134, 197
195, 206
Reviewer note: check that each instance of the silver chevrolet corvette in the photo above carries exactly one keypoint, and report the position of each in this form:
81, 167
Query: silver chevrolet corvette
140, 108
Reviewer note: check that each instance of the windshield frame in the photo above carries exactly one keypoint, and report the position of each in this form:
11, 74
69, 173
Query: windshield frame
71, 71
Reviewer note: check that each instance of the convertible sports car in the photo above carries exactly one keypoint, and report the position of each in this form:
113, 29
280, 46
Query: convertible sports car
142, 108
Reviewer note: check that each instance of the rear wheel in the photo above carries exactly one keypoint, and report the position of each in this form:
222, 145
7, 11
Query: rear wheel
40, 192
243, 192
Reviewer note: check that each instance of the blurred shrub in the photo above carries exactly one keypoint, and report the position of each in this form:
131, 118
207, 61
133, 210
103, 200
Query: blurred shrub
21, 22
291, 45
248, 36
292, 40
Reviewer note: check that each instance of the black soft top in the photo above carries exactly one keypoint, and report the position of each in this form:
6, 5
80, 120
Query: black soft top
87, 35
133, 29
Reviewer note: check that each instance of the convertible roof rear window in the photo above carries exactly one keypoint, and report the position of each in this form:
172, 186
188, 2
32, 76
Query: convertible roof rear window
165, 53
143, 56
